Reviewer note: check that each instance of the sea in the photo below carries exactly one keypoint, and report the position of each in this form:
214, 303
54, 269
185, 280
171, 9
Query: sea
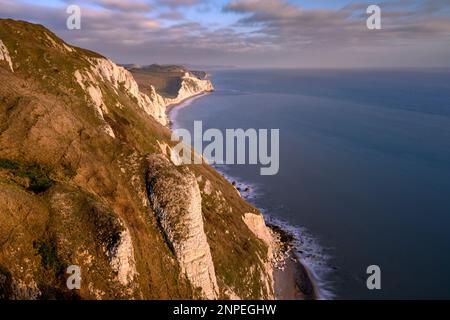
364, 173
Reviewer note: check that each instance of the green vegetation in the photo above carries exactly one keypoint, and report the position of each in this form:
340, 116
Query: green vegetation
9, 164
166, 80
49, 254
40, 55
105, 225
37, 177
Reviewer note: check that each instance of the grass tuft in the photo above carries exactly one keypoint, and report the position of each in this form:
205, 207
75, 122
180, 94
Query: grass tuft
36, 175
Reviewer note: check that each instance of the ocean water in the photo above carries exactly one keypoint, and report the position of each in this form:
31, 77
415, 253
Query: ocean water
364, 169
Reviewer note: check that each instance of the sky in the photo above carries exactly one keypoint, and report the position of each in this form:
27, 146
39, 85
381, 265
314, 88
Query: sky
251, 33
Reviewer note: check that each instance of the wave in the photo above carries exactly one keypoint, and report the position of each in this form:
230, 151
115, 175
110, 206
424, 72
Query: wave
311, 254
314, 257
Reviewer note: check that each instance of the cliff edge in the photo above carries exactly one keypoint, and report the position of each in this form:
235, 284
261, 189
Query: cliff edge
86, 180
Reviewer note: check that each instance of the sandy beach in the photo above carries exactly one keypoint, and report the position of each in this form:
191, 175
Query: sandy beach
292, 280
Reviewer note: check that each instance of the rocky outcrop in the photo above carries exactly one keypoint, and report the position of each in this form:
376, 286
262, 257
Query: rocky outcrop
4, 55
122, 259
175, 196
256, 224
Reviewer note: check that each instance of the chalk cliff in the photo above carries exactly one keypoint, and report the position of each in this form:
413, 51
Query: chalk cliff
154, 104
86, 179
190, 86
176, 199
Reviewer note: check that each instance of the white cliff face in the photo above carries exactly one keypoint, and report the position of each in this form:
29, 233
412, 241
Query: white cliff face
256, 224
4, 55
88, 83
195, 253
122, 259
176, 198
120, 78
190, 86
96, 96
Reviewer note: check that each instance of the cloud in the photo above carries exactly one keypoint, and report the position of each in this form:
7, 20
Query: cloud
128, 5
295, 26
256, 32
171, 15
178, 3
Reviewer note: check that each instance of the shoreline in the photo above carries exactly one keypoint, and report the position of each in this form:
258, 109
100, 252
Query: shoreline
172, 109
292, 278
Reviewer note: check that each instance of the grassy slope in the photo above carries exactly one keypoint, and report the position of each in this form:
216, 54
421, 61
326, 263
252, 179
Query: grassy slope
66, 186
166, 83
